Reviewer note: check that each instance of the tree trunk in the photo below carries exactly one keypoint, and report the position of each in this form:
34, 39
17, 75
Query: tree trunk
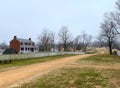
65, 47
110, 47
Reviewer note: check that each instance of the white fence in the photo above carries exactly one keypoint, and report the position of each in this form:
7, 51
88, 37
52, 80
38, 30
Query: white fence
34, 55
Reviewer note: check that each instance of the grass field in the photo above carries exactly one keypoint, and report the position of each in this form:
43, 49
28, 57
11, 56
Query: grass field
85, 77
16, 63
103, 59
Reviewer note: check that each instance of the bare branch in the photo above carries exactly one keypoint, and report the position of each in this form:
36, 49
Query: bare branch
46, 39
65, 36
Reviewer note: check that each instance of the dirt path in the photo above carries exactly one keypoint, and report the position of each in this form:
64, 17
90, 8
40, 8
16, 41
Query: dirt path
16, 75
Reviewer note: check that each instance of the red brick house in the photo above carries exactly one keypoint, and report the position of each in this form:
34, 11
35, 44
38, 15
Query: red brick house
23, 45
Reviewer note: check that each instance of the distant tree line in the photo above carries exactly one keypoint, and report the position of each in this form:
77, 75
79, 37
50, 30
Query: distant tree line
108, 36
64, 40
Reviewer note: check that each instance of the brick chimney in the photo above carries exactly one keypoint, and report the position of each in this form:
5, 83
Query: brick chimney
30, 39
15, 37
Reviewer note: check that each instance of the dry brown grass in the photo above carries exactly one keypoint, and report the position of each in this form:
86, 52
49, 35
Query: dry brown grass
99, 71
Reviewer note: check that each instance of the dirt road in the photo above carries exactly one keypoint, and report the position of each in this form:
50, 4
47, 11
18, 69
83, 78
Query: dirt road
10, 77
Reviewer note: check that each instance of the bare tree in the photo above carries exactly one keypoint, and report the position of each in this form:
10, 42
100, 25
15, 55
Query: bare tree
111, 27
100, 41
82, 41
115, 17
85, 40
118, 4
65, 37
109, 33
77, 43
46, 39
52, 45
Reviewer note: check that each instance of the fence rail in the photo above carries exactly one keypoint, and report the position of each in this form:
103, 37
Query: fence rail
34, 55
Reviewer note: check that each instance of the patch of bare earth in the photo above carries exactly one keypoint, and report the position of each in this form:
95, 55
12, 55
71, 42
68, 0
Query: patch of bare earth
19, 75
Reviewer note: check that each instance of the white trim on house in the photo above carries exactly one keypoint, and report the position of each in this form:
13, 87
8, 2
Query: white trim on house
29, 49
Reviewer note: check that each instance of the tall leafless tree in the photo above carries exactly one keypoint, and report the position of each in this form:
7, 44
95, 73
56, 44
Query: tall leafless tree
115, 17
85, 40
77, 43
46, 39
52, 45
109, 33
100, 41
65, 37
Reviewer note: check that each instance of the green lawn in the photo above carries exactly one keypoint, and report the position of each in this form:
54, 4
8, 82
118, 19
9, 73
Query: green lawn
77, 77
16, 63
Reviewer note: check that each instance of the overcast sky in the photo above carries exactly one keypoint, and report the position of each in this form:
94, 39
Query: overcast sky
26, 18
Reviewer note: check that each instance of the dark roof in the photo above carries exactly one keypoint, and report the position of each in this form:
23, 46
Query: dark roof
10, 51
24, 40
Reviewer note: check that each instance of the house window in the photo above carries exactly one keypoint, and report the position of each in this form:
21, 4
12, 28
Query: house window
22, 49
26, 49
21, 43
26, 44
